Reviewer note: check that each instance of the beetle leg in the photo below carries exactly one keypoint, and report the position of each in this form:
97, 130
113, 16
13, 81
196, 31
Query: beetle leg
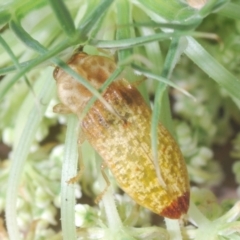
80, 165
61, 109
99, 197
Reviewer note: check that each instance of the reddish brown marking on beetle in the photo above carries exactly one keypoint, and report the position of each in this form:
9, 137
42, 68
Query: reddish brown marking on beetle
177, 208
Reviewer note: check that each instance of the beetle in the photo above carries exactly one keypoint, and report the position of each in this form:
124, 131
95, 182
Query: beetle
122, 136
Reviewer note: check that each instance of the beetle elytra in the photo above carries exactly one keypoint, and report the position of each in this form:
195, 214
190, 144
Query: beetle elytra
123, 139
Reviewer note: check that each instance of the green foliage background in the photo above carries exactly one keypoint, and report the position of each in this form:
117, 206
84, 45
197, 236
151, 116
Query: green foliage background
193, 48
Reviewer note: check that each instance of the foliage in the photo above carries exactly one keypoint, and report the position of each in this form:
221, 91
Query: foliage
195, 44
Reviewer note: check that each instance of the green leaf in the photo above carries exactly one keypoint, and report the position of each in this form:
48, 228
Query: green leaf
63, 16
5, 86
13, 68
22, 8
13, 57
231, 10
212, 68
150, 75
210, 6
35, 45
124, 18
102, 89
170, 10
44, 90
69, 170
26, 38
93, 17
138, 41
9, 51
4, 17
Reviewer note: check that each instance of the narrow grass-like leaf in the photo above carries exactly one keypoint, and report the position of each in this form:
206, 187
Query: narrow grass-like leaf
35, 45
196, 216
93, 17
231, 10
26, 38
63, 16
13, 57
85, 83
138, 41
159, 110
123, 18
155, 117
212, 68
175, 26
32, 43
101, 90
12, 68
170, 9
162, 108
152, 50
230, 230
21, 150
173, 228
4, 17
9, 51
69, 170
98, 24
101, 44
210, 6
22, 8
150, 75
6, 86
220, 4
112, 216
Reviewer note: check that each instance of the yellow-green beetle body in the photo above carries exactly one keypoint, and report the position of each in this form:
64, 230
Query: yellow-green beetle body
123, 138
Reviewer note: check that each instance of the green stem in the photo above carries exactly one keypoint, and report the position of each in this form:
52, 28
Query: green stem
21, 151
69, 170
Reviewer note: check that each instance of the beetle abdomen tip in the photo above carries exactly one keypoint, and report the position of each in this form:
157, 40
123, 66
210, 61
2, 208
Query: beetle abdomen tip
177, 208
